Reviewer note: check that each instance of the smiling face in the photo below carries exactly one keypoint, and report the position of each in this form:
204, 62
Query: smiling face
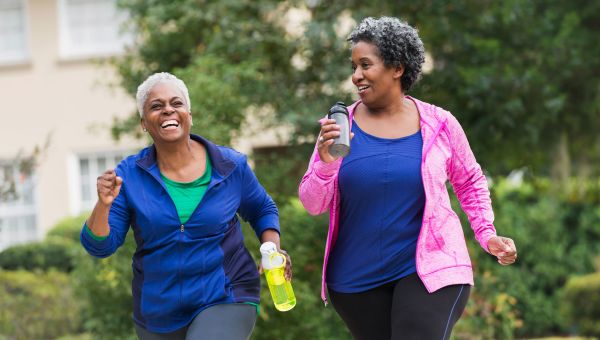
376, 82
166, 115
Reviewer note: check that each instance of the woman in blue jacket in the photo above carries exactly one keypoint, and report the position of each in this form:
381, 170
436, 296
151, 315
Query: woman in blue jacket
192, 275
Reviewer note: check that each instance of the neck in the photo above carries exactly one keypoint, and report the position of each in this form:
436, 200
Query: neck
173, 156
395, 104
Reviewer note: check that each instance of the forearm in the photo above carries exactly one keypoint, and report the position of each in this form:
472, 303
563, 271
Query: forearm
317, 186
98, 220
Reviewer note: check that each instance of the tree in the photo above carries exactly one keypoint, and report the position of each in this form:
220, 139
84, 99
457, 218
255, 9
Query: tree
521, 77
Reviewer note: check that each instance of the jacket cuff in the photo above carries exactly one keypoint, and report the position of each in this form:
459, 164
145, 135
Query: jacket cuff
97, 246
91, 234
267, 222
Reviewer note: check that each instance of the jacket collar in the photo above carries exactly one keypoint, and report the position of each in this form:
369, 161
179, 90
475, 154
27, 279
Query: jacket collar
220, 163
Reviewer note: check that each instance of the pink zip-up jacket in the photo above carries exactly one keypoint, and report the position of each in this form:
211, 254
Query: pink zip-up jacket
442, 258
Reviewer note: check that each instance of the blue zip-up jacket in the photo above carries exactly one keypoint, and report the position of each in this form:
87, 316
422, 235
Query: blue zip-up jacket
179, 270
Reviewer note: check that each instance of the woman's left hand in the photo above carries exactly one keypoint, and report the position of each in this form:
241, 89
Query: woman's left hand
288, 265
504, 249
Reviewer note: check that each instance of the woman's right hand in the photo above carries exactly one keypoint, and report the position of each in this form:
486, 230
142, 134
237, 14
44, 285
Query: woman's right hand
108, 186
329, 131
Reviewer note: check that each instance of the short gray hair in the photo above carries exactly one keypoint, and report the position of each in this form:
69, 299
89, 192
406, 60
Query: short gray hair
398, 44
144, 89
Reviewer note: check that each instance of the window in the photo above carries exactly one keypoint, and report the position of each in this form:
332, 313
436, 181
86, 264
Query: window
18, 220
87, 168
13, 37
91, 28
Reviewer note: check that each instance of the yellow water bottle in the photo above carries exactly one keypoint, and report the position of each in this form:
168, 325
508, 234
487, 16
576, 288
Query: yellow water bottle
273, 264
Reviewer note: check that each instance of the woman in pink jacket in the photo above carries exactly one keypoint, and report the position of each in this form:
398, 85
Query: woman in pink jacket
396, 264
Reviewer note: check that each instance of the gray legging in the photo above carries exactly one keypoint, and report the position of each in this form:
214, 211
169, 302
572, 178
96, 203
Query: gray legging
219, 322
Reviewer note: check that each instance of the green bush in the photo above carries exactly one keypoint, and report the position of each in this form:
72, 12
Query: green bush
557, 236
37, 305
582, 303
68, 228
52, 253
104, 287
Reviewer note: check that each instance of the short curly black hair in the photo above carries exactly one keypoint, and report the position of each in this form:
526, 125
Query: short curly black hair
398, 44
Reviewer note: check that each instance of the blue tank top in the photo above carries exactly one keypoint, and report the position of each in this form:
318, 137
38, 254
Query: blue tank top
381, 212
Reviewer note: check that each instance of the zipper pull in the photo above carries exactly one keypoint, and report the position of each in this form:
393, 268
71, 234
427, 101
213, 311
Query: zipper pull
181, 228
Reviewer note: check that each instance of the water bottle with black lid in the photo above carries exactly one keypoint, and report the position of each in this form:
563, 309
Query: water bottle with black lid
341, 144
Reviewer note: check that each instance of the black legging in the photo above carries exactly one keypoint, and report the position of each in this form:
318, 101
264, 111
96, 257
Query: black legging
402, 309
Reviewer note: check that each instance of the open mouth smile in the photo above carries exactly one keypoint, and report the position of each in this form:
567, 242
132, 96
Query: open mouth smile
170, 124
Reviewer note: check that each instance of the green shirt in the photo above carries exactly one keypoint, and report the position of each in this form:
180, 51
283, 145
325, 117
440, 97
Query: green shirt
187, 196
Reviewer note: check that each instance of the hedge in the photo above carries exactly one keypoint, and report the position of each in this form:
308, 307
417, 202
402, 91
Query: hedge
582, 303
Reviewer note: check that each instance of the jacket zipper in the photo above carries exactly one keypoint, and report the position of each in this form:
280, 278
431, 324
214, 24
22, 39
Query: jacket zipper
424, 157
181, 229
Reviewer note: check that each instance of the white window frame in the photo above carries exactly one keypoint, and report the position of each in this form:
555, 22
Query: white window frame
20, 210
23, 56
77, 203
69, 50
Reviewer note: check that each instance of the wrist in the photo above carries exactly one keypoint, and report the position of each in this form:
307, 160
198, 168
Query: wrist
270, 235
100, 204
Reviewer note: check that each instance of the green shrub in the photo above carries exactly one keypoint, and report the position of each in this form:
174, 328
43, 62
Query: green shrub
557, 236
37, 305
582, 303
52, 253
104, 287
68, 228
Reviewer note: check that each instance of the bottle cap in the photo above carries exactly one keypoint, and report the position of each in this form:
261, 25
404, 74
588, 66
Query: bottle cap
276, 260
268, 248
339, 107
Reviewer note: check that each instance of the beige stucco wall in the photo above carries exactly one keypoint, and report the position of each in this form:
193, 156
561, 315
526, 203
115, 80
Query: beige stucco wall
68, 99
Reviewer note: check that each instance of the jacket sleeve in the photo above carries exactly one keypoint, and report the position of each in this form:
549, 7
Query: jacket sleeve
318, 184
256, 206
118, 222
470, 184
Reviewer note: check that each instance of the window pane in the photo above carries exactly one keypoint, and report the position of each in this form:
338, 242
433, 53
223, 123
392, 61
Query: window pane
101, 165
18, 221
84, 167
12, 28
93, 27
